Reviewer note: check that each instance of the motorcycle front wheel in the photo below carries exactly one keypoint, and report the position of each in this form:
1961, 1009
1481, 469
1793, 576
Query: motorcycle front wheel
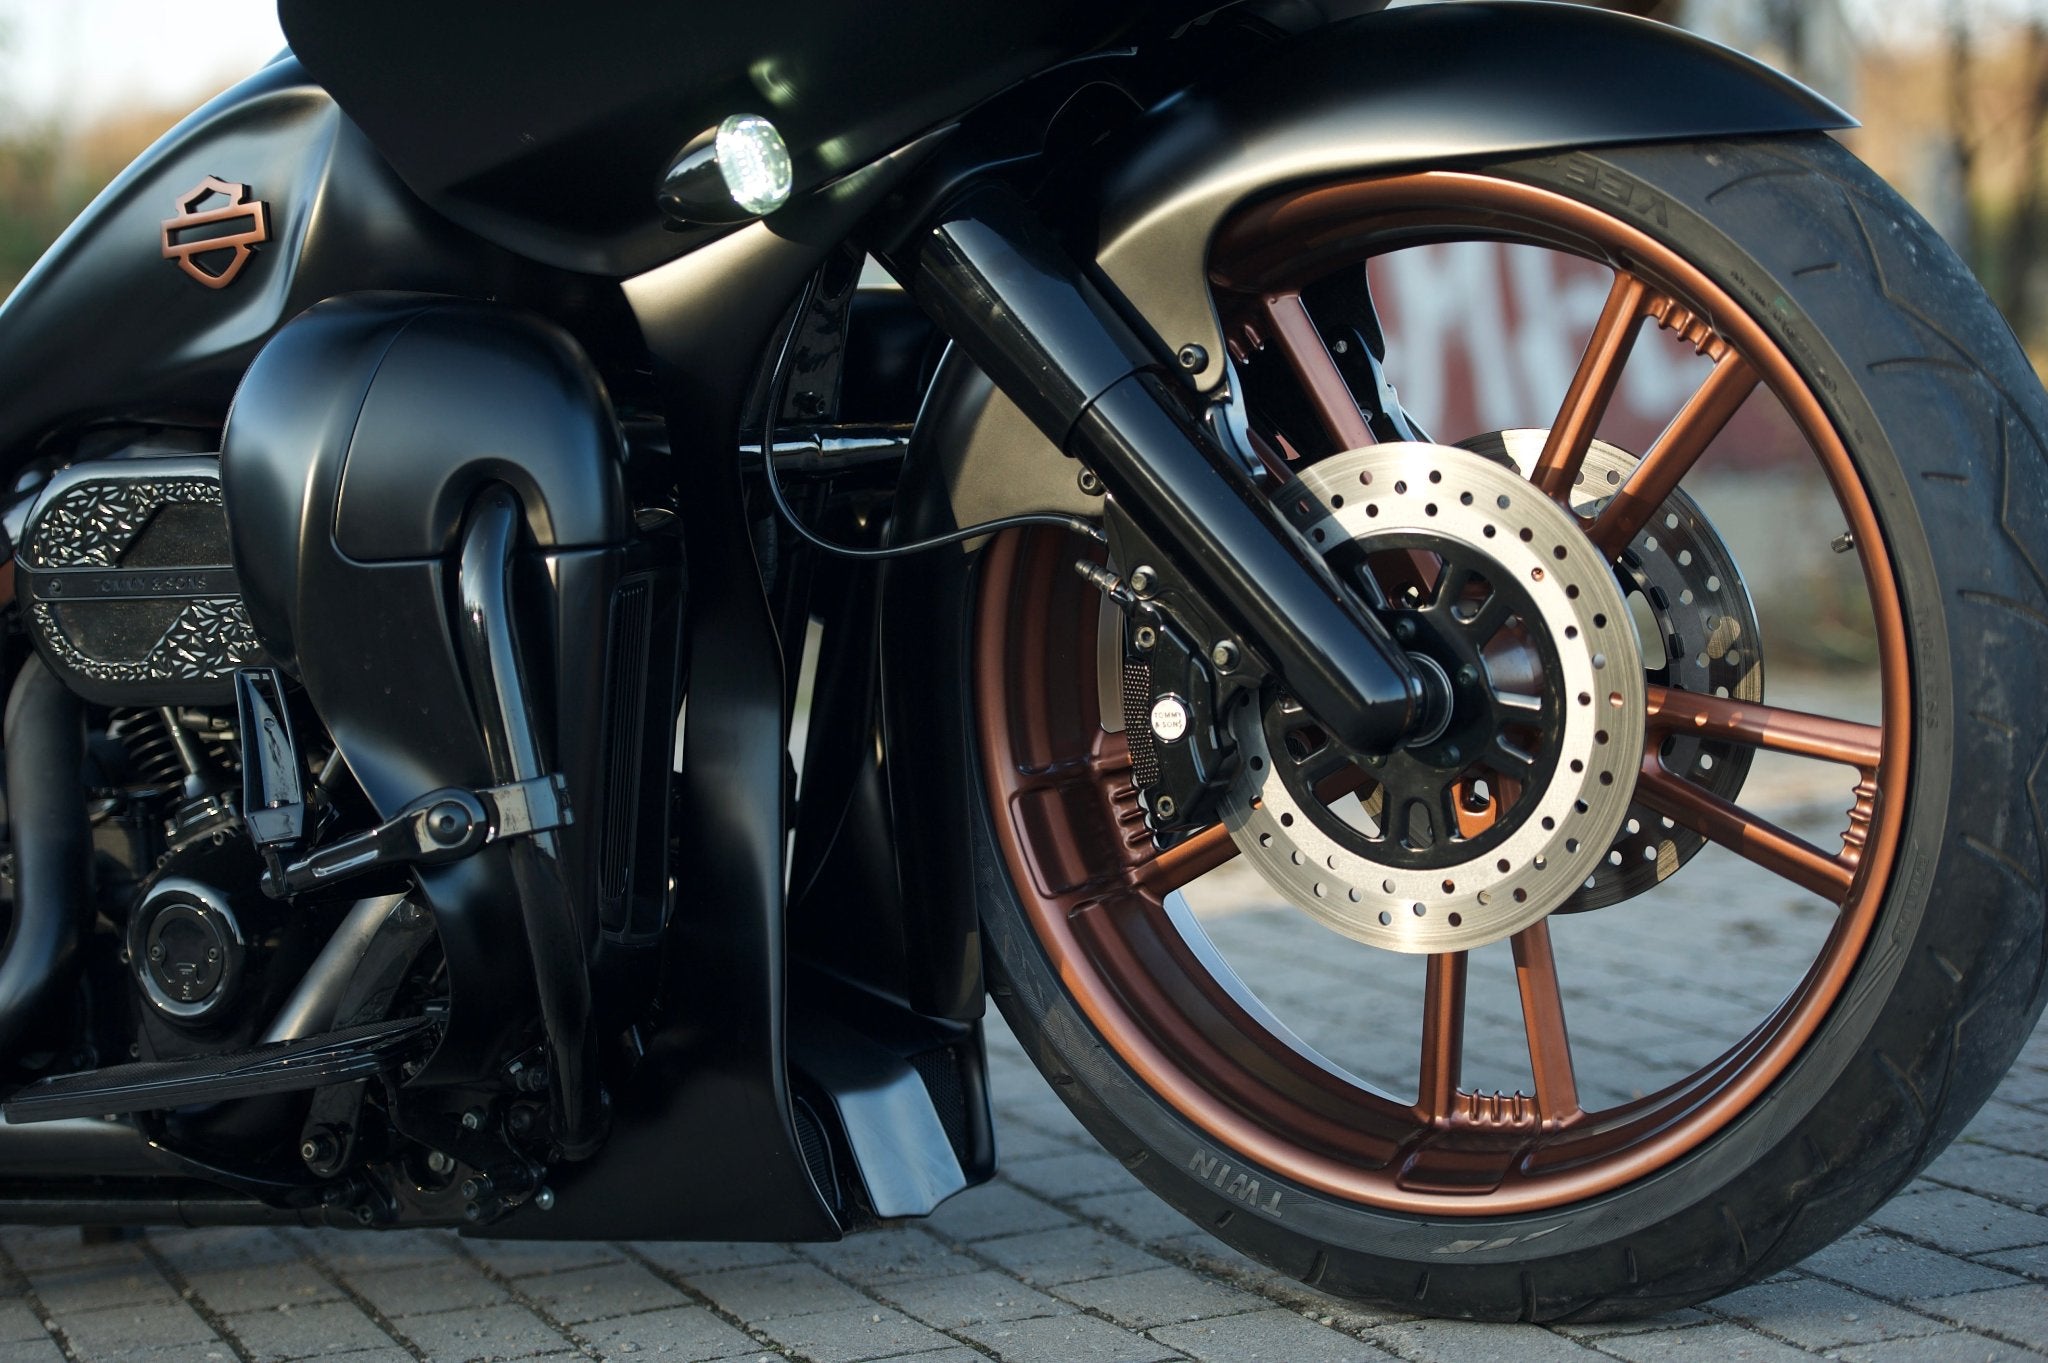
1853, 1049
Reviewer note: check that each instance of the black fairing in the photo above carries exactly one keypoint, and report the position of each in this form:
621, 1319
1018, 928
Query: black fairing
546, 127
354, 447
106, 328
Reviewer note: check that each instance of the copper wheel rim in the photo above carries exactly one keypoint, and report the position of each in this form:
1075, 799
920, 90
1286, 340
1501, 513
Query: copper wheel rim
1093, 889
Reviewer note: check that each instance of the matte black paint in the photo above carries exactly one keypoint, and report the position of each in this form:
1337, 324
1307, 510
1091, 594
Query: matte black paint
105, 328
52, 847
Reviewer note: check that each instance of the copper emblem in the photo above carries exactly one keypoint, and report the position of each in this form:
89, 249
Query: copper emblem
201, 256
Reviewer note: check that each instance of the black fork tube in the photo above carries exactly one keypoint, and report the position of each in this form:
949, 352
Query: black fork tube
45, 738
999, 284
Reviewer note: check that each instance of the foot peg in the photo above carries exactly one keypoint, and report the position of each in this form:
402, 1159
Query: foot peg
445, 825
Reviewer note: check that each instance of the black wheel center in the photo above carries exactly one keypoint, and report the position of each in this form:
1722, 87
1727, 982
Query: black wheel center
1457, 793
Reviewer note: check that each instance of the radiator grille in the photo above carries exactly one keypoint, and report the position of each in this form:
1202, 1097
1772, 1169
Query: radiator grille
1138, 724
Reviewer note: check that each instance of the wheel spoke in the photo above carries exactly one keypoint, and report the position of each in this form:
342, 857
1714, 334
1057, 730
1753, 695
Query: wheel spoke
1743, 833
1295, 333
1674, 454
1571, 435
1550, 1044
1765, 726
1443, 1038
1198, 856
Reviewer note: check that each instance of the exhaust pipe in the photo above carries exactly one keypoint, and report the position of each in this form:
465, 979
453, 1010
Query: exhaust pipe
45, 751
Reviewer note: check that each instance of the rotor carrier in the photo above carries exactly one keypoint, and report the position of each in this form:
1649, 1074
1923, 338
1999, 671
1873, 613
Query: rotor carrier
1501, 817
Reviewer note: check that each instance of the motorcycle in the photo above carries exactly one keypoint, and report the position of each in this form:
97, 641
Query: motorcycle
442, 466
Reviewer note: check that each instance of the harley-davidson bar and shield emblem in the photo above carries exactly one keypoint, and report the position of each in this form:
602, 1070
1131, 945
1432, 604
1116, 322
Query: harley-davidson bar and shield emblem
212, 244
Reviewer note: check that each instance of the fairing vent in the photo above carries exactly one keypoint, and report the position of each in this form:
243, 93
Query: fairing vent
626, 710
1138, 733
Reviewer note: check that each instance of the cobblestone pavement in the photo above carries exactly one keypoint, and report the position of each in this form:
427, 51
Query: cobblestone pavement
1066, 1259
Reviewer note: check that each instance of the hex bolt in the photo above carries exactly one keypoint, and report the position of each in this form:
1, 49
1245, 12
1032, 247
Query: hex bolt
1089, 481
545, 1199
473, 1119
1224, 655
1193, 358
1145, 638
472, 1212
475, 1187
364, 1216
1144, 578
447, 824
440, 1162
1165, 807
318, 1149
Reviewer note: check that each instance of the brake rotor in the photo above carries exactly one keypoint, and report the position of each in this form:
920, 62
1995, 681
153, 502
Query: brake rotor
1679, 574
1503, 815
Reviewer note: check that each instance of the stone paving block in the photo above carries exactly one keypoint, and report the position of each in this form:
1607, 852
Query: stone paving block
606, 1290
777, 1290
1065, 1256
1670, 1320
959, 1353
1015, 1143
1158, 1296
1066, 1339
685, 1257
1820, 1315
18, 1323
96, 1286
2026, 1086
224, 1247
42, 1350
128, 1330
1897, 1269
993, 1209
1276, 1335
1948, 1348
426, 1288
508, 1331
34, 1247
2019, 1314
1717, 1343
2008, 1126
1071, 1175
1995, 1173
2032, 1260
353, 1251
847, 1336
969, 1299
1142, 1215
522, 1258
688, 1332
1462, 1341
879, 1256
1960, 1222
324, 1328
227, 1291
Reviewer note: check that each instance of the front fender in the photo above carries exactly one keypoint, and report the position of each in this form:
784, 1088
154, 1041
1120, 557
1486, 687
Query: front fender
1403, 90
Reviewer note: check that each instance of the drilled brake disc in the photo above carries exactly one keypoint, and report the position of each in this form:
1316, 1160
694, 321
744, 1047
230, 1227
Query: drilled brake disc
1502, 817
1700, 635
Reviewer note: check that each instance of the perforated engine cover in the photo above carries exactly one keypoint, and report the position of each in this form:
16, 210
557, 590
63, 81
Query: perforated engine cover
127, 585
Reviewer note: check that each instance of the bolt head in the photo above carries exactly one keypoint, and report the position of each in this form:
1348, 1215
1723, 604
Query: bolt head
1224, 655
1165, 807
1145, 637
309, 1151
545, 1199
1404, 629
1193, 358
1089, 481
1467, 675
472, 1119
1143, 579
439, 1162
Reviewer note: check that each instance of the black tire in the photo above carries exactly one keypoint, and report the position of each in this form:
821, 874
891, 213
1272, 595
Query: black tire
1944, 419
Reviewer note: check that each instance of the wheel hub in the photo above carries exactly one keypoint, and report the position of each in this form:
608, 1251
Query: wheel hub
1474, 836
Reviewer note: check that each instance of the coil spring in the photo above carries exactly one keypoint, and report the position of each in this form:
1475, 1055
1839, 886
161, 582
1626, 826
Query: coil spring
151, 753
